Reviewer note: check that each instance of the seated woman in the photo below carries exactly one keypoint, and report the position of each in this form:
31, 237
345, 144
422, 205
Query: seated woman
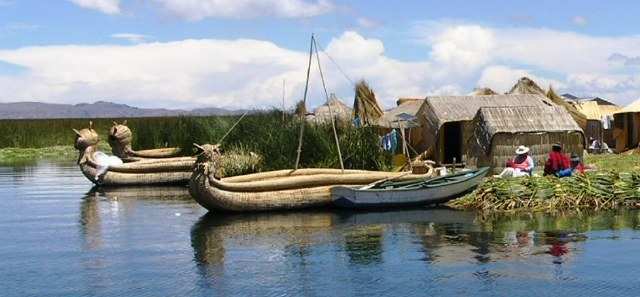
558, 162
521, 165
523, 161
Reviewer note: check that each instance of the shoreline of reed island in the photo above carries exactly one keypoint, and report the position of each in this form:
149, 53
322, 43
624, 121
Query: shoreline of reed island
614, 184
275, 139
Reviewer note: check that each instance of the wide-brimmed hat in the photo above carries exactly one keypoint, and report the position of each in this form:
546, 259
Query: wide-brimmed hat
522, 150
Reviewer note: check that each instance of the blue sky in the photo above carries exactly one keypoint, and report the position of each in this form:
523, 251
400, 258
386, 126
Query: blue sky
247, 54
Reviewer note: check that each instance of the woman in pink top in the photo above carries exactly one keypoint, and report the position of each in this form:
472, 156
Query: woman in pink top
523, 161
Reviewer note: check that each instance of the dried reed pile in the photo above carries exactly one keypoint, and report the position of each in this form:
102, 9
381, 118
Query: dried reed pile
602, 190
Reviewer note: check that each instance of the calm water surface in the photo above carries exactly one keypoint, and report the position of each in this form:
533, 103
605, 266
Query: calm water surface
61, 237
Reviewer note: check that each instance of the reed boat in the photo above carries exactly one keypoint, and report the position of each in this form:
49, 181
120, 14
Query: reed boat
418, 192
274, 190
120, 139
105, 170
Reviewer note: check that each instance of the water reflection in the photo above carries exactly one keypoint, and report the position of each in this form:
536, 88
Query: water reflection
62, 238
108, 206
443, 237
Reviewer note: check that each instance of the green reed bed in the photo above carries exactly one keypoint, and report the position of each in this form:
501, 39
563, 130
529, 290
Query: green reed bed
44, 133
266, 134
594, 190
276, 141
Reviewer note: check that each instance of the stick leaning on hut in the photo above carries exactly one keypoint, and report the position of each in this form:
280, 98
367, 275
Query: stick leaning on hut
104, 171
273, 190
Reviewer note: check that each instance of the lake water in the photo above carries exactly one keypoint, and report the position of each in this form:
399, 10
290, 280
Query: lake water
60, 237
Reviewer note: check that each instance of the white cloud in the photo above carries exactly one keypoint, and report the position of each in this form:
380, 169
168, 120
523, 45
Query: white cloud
502, 78
198, 10
105, 6
462, 50
190, 72
195, 73
580, 20
132, 37
367, 23
354, 49
250, 73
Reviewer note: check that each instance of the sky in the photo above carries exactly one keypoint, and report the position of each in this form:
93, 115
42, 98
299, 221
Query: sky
255, 54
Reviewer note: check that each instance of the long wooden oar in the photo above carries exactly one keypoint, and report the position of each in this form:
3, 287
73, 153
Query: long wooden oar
375, 183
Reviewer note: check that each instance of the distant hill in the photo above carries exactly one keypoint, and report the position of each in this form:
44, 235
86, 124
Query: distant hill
99, 109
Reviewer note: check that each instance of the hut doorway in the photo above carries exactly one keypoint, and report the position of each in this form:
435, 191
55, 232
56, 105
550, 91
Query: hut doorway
452, 142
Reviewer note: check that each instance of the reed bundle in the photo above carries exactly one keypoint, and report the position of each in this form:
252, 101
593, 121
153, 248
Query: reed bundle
601, 190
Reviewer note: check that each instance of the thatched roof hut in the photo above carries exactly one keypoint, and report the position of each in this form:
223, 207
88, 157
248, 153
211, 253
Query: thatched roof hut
626, 127
483, 91
527, 86
323, 113
406, 99
500, 130
447, 120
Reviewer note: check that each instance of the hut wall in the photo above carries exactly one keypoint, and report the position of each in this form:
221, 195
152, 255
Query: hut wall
417, 141
595, 130
626, 130
504, 145
607, 137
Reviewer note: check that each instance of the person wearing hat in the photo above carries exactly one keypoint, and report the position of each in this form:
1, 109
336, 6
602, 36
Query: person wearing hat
523, 161
558, 162
576, 164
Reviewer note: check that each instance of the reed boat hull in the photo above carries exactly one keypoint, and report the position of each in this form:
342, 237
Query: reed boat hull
147, 172
278, 190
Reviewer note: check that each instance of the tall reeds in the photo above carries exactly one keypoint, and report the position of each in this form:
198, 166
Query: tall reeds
264, 133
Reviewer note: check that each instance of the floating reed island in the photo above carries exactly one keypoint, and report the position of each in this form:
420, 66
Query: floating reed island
593, 190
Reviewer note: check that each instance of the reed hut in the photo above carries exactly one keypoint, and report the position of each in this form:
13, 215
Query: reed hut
448, 121
483, 91
500, 130
599, 114
527, 86
405, 117
626, 127
332, 109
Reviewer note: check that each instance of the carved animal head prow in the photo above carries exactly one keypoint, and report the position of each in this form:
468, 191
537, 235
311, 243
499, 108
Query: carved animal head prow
86, 139
209, 155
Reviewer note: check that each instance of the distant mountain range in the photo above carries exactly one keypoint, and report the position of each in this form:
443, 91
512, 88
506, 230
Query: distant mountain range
99, 109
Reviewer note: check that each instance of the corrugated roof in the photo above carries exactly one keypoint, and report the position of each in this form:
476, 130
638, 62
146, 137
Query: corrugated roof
442, 109
389, 120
